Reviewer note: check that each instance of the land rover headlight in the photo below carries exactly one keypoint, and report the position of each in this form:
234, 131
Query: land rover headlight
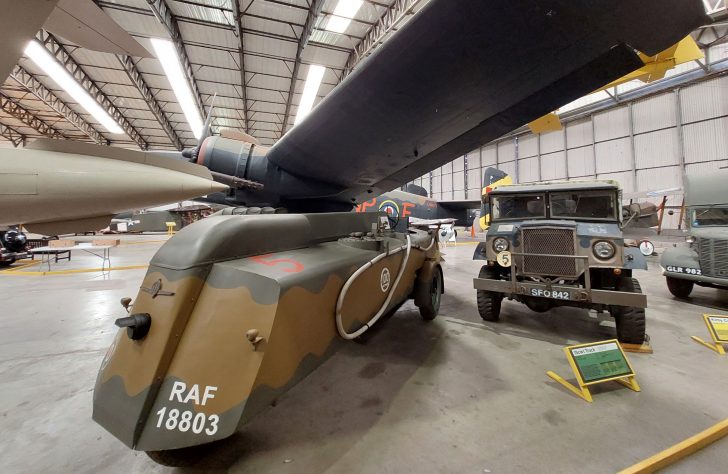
604, 250
690, 239
500, 244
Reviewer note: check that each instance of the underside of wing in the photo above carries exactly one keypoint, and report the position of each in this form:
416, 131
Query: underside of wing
461, 73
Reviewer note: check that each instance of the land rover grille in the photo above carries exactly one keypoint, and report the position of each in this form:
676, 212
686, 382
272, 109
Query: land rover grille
713, 257
548, 241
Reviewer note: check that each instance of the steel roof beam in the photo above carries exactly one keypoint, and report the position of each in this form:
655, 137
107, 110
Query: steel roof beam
15, 110
164, 15
12, 135
391, 18
89, 85
29, 81
241, 54
313, 12
136, 78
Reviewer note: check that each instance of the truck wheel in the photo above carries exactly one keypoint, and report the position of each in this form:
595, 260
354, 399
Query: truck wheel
489, 302
630, 320
679, 288
428, 295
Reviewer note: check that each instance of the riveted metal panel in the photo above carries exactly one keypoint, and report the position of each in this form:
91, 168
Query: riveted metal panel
706, 141
527, 146
506, 151
579, 133
553, 166
611, 124
458, 180
655, 113
705, 100
581, 162
475, 176
614, 155
655, 149
446, 180
458, 164
551, 142
528, 170
489, 155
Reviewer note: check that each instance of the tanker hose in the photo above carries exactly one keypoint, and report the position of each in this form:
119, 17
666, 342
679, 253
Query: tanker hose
392, 288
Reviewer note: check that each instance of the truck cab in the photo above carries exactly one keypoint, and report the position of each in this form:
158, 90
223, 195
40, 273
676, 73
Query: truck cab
561, 244
704, 260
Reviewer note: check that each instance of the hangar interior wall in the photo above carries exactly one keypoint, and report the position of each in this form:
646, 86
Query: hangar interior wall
647, 144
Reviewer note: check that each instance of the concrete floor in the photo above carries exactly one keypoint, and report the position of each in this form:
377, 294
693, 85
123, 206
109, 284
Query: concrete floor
454, 395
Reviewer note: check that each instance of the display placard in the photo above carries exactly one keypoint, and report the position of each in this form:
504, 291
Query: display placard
718, 327
600, 361
594, 363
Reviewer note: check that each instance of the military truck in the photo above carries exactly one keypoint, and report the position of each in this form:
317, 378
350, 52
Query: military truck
704, 262
561, 244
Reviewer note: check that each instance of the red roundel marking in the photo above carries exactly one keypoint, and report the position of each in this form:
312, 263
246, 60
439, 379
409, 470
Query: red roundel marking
266, 260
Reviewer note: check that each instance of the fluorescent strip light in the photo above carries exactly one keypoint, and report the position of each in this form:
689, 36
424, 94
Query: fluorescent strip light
167, 55
53, 69
310, 91
343, 13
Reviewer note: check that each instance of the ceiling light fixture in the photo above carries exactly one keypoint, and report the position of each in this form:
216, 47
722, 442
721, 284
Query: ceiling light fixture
310, 91
53, 69
167, 55
343, 13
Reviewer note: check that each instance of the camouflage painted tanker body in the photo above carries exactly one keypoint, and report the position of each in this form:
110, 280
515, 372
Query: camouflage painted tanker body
200, 374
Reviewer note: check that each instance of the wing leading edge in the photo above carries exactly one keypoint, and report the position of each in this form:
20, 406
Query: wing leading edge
461, 73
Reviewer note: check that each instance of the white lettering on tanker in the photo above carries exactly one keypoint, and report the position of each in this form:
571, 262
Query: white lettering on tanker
187, 420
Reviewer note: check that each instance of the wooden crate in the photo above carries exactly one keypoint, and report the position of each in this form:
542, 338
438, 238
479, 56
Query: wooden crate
61, 243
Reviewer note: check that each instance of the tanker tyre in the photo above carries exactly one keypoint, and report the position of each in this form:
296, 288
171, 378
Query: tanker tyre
429, 294
489, 302
680, 288
630, 320
169, 458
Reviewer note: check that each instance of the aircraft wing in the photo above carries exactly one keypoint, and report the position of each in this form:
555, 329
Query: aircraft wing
79, 21
461, 73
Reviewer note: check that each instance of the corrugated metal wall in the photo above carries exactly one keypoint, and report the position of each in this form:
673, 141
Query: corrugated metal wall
645, 145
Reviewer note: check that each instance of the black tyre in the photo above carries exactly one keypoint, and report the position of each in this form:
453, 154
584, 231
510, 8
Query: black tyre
630, 321
171, 458
6, 263
489, 302
680, 288
428, 295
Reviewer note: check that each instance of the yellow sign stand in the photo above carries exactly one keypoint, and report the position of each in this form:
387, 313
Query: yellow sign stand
718, 329
594, 363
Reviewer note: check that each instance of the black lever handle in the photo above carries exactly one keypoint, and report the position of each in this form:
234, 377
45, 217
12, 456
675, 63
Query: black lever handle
137, 325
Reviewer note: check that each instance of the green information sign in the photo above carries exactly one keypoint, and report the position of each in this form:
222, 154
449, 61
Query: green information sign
600, 361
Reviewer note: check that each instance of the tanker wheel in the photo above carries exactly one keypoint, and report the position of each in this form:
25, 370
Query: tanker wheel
489, 302
429, 294
630, 320
173, 458
680, 288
